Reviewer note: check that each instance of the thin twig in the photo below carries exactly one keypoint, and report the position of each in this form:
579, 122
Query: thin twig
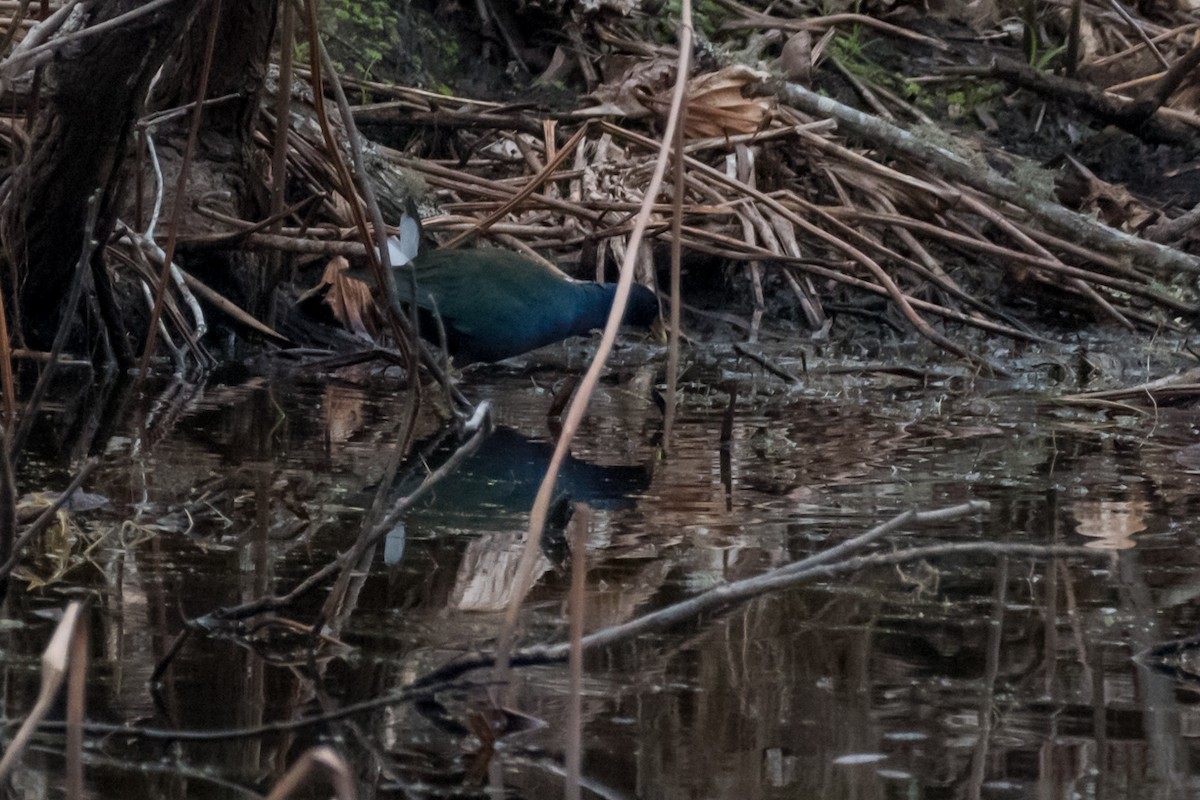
679, 170
583, 396
179, 202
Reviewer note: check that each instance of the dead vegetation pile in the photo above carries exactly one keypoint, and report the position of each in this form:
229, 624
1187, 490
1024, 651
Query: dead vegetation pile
828, 201
872, 201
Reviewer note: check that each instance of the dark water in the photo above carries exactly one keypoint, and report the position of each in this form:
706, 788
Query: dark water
966, 677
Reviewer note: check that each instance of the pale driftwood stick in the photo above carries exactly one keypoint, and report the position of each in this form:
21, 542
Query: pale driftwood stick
59, 660
1078, 227
578, 407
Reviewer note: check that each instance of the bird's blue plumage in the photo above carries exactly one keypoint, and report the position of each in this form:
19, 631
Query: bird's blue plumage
495, 304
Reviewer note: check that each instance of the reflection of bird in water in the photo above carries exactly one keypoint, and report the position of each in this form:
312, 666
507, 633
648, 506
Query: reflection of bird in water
501, 479
506, 470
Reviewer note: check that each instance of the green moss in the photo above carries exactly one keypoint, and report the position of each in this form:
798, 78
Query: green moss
404, 42
970, 96
707, 16
369, 15
850, 50
360, 32
853, 51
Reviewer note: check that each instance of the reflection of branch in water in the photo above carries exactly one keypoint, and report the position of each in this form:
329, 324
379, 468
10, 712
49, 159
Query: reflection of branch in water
377, 525
820, 566
479, 425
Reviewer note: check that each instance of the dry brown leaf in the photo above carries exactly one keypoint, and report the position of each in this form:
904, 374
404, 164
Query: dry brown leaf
720, 103
626, 95
349, 299
1112, 203
795, 60
342, 210
1090, 45
1187, 96
344, 414
1111, 524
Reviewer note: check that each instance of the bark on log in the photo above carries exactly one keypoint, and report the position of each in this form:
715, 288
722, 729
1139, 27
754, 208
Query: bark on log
93, 94
229, 171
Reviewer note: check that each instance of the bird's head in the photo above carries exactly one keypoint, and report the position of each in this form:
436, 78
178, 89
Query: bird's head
642, 308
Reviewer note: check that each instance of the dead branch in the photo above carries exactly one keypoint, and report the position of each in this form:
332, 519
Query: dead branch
1077, 227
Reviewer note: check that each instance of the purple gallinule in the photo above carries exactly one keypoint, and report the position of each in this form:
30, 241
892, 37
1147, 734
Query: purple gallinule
495, 304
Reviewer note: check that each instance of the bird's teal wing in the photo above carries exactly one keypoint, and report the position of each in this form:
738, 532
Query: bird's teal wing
497, 296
